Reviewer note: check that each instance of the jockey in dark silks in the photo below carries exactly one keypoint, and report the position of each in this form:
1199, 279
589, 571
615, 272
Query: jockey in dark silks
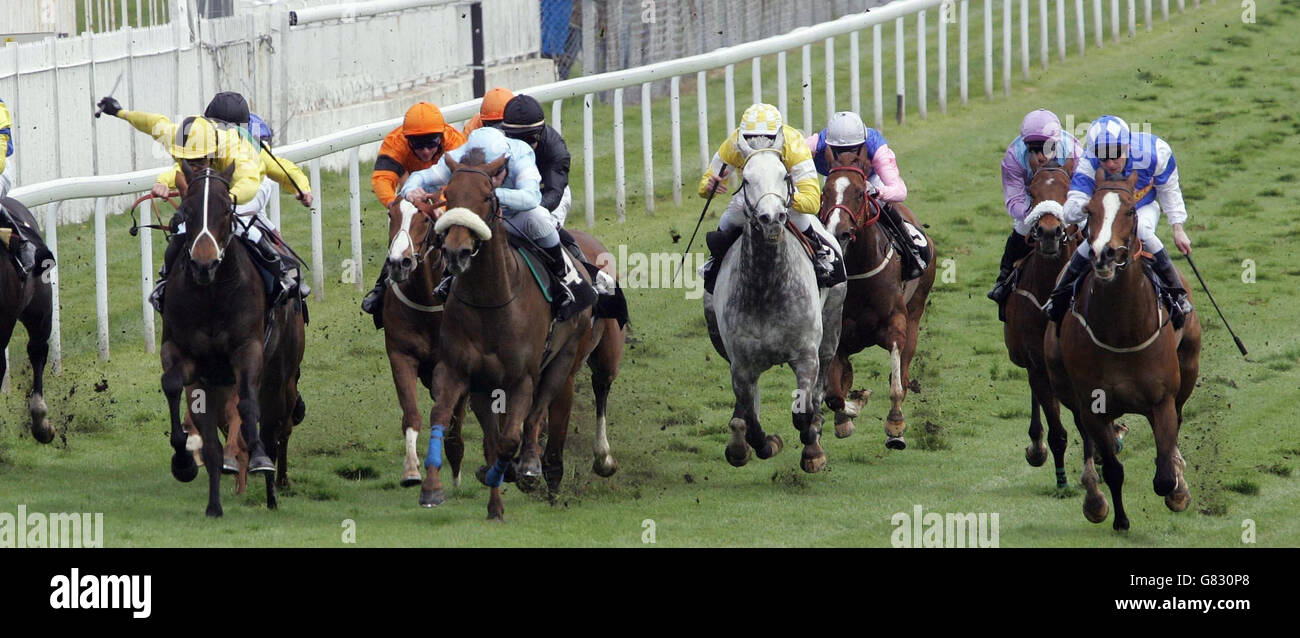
30, 253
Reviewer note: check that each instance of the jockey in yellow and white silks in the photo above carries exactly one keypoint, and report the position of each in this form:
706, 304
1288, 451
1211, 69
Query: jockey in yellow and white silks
761, 127
28, 251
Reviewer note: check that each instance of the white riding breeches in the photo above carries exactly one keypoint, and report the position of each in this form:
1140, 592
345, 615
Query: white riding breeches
536, 224
561, 211
1147, 218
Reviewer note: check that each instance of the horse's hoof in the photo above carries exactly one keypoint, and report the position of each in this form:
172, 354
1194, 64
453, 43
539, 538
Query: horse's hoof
214, 511
432, 498
184, 469
896, 443
856, 401
738, 457
1036, 455
257, 464
843, 429
43, 433
229, 465
455, 479
813, 464
1095, 508
772, 447
604, 467
1180, 498
528, 483
411, 479
1120, 524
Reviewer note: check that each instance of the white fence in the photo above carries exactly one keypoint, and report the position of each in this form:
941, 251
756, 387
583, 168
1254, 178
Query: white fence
801, 40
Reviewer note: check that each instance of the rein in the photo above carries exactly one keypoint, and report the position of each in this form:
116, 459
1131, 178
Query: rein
478, 243
136, 226
860, 220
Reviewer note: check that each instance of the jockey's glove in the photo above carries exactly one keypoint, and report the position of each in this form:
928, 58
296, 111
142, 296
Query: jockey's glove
110, 105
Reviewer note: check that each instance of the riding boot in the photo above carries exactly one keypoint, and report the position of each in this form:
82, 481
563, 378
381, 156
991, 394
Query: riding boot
288, 273
1015, 250
174, 246
373, 303
718, 241
1060, 300
1173, 285
829, 272
25, 255
912, 265
570, 242
568, 297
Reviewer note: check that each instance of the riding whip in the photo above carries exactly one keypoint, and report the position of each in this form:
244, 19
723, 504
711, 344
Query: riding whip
1240, 346
100, 111
682, 263
277, 163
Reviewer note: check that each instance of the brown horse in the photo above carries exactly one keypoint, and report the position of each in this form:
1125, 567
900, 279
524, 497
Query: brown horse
219, 338
1117, 353
27, 300
498, 343
1025, 321
881, 309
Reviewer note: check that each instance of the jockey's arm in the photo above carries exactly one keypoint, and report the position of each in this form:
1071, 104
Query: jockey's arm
4, 144
526, 193
6, 133
1169, 195
155, 125
428, 180
716, 167
1082, 185
556, 178
807, 188
1015, 192
384, 180
284, 172
893, 189
248, 175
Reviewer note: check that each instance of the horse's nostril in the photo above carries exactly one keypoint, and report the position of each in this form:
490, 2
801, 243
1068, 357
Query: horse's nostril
463, 253
407, 263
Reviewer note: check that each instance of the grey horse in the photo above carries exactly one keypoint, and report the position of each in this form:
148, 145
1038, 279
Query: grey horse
766, 310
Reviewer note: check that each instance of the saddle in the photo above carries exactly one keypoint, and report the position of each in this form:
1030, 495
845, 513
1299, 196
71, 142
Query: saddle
910, 242
823, 280
612, 305
270, 276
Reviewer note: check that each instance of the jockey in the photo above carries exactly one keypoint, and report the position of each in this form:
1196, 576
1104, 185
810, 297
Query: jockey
524, 121
520, 199
490, 111
845, 133
25, 245
1041, 139
417, 144
761, 127
1112, 147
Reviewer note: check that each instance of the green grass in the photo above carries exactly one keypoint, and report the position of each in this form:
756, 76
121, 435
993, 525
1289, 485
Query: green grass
670, 406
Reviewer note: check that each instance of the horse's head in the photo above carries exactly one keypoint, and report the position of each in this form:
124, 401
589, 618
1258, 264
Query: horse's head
1048, 188
845, 207
410, 234
472, 207
1112, 223
768, 192
208, 211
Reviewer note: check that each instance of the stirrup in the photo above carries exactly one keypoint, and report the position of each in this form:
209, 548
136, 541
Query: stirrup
444, 288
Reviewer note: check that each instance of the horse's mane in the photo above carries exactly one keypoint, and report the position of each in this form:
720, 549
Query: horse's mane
474, 157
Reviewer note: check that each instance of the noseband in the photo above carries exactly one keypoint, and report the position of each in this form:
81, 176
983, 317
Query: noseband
862, 218
751, 207
206, 176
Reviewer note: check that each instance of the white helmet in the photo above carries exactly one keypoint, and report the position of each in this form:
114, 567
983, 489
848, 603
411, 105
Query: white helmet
846, 129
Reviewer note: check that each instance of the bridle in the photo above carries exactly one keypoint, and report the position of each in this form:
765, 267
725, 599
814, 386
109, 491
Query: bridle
206, 176
751, 207
421, 250
862, 218
1132, 236
496, 203
1035, 234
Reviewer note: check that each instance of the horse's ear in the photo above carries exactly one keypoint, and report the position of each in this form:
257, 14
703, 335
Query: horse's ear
496, 165
1100, 176
229, 173
1132, 180
1069, 166
826, 155
452, 165
186, 172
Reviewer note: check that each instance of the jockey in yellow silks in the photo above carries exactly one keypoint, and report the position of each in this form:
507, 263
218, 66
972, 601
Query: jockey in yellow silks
761, 127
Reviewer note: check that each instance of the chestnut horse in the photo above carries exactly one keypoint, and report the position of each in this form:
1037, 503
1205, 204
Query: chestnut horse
216, 339
1025, 321
28, 301
1117, 353
880, 309
498, 343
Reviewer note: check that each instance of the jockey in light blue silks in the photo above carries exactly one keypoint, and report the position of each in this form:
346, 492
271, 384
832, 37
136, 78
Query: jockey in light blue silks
1112, 147
520, 198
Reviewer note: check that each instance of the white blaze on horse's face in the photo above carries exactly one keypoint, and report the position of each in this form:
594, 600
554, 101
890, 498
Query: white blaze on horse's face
216, 246
401, 244
1110, 208
838, 187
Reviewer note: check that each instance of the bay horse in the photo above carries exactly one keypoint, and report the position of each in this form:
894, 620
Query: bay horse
29, 301
218, 338
497, 342
880, 309
1025, 324
766, 310
1117, 353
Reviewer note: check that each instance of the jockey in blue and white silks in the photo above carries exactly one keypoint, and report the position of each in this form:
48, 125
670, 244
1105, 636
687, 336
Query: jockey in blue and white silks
520, 197
1112, 147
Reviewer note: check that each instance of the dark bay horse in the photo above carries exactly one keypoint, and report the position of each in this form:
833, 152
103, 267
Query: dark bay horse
880, 309
218, 338
1025, 321
1117, 353
497, 342
27, 301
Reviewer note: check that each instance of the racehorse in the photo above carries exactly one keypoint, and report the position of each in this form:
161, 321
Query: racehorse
880, 308
1025, 322
1117, 353
497, 342
27, 301
766, 310
218, 337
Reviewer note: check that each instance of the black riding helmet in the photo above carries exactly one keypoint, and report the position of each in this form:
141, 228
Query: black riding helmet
523, 119
228, 106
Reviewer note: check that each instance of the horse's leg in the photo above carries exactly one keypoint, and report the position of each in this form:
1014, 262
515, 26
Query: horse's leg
488, 420
1057, 439
1036, 452
900, 356
450, 389
405, 369
551, 384
234, 457
38, 350
1095, 507
519, 400
1112, 469
207, 424
557, 431
746, 433
604, 362
193, 442
273, 420
454, 442
839, 383
1169, 481
804, 413
177, 371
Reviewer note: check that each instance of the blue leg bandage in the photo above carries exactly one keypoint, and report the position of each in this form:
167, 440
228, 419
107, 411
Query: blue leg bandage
434, 457
496, 473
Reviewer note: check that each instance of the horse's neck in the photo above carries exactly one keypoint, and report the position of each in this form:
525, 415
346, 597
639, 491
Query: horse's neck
419, 288
491, 279
867, 249
1122, 312
761, 260
1039, 273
